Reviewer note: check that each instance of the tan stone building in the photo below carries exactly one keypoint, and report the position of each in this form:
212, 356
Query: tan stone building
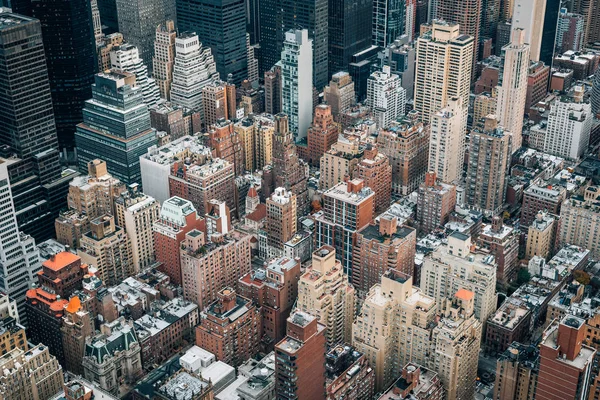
164, 56
375, 170
447, 141
107, 248
136, 213
281, 224
484, 104
541, 236
516, 373
339, 95
339, 161
580, 221
32, 375
324, 292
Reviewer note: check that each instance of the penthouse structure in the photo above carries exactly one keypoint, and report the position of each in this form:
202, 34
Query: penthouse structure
379, 247
324, 292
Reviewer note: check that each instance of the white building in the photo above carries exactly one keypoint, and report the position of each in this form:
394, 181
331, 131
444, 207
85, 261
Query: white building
385, 96
443, 68
529, 16
296, 81
447, 141
512, 87
19, 258
126, 58
569, 126
194, 68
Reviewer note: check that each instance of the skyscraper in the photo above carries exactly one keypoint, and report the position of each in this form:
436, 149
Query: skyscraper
164, 57
126, 58
512, 90
119, 140
447, 141
69, 46
339, 94
281, 223
489, 162
570, 31
297, 81
450, 76
311, 15
386, 97
194, 68
138, 20
220, 25
322, 134
349, 31
529, 16
27, 127
389, 21
595, 99
467, 14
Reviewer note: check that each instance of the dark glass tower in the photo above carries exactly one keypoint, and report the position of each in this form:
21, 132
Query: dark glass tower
108, 15
69, 43
349, 31
221, 25
27, 128
389, 20
271, 34
549, 32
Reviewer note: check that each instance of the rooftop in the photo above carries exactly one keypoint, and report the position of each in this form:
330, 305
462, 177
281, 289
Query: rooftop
61, 260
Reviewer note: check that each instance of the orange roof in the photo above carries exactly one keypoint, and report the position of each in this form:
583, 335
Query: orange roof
464, 294
74, 305
252, 192
61, 260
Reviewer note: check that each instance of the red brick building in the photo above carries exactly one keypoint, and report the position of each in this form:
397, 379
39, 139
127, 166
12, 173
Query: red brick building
537, 84
349, 375
274, 290
375, 170
230, 328
300, 359
321, 135
435, 202
177, 217
503, 243
227, 144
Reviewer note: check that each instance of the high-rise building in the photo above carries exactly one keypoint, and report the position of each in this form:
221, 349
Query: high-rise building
561, 349
406, 143
324, 292
537, 84
541, 236
28, 130
273, 90
103, 48
230, 328
485, 103
60, 277
288, 171
339, 162
349, 24
300, 359
256, 134
512, 86
570, 31
456, 340
126, 58
435, 201
34, 374
220, 25
138, 20
218, 101
19, 257
77, 325
453, 266
339, 94
281, 224
69, 44
468, 15
389, 21
118, 138
349, 374
136, 214
436, 83
517, 372
226, 258
108, 248
538, 198
194, 68
297, 81
447, 141
164, 57
502, 241
529, 16
227, 145
347, 208
386, 97
321, 134
252, 75
489, 162
595, 98
380, 247
569, 126
275, 290
375, 170
377, 329
177, 218
400, 56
